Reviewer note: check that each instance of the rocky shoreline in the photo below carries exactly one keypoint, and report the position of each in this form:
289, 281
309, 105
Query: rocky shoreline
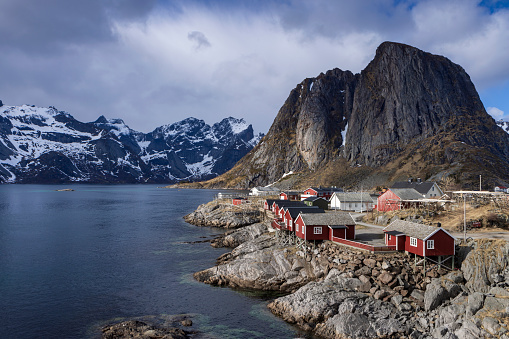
339, 292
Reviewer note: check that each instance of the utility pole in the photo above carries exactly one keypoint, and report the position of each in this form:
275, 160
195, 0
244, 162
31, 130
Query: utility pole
465, 218
480, 186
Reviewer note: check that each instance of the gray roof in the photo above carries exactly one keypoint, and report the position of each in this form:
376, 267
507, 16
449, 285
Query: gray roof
295, 211
354, 197
407, 193
422, 187
412, 229
314, 199
329, 219
283, 203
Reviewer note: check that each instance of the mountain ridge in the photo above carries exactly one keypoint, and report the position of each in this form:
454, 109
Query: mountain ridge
409, 113
45, 145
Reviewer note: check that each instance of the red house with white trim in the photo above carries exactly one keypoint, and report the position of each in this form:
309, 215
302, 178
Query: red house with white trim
325, 226
325, 193
423, 240
396, 198
289, 195
291, 214
278, 205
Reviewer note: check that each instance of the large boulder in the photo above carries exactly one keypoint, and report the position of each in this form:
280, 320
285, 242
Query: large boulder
239, 236
441, 289
484, 264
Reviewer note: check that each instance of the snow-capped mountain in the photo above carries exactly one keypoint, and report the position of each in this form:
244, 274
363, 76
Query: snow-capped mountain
504, 125
45, 145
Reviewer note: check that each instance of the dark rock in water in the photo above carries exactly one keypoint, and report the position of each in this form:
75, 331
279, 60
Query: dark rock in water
140, 329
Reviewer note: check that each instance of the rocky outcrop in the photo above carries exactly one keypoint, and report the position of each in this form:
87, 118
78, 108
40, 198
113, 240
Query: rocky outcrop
335, 310
263, 265
224, 215
240, 236
406, 107
142, 329
486, 266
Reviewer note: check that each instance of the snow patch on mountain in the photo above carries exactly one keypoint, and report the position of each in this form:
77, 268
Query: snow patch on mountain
46, 145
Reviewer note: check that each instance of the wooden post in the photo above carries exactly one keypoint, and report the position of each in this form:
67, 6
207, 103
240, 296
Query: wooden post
439, 261
424, 263
453, 262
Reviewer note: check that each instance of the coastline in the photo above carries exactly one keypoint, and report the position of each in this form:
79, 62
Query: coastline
335, 291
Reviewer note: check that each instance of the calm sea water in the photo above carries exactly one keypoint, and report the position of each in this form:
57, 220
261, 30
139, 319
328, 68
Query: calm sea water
73, 261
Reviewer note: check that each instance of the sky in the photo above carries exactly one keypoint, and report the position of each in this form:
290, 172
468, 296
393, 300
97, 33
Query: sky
156, 62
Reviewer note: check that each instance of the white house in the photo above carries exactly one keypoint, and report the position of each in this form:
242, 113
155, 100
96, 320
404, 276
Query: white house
352, 201
259, 190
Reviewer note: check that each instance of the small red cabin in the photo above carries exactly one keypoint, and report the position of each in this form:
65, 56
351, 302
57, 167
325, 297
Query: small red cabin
423, 240
325, 193
291, 214
238, 201
325, 226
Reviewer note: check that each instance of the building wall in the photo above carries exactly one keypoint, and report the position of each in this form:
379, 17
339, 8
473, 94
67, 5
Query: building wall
384, 206
310, 235
444, 244
338, 233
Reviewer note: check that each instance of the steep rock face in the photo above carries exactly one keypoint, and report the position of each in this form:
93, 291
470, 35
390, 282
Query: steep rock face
408, 113
406, 95
306, 132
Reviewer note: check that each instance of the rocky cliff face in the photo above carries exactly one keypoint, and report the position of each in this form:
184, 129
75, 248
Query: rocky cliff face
44, 145
407, 113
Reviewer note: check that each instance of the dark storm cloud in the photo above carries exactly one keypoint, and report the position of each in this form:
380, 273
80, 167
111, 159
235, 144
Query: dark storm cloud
47, 26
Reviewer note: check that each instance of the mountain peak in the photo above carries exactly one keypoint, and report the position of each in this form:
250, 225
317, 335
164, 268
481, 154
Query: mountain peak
408, 113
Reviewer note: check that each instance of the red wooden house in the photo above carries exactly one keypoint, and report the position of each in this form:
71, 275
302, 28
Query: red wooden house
289, 195
320, 192
396, 199
326, 226
279, 204
238, 200
268, 204
291, 214
423, 240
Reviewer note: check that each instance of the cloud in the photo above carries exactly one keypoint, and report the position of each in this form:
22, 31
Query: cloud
495, 112
199, 38
138, 60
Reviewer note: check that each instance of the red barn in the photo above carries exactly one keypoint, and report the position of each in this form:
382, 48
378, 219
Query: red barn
423, 240
325, 226
394, 199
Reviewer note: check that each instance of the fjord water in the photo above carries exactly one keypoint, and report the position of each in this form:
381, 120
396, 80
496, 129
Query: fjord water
71, 262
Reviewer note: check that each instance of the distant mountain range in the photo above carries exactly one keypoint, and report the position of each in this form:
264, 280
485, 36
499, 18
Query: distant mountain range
45, 145
409, 113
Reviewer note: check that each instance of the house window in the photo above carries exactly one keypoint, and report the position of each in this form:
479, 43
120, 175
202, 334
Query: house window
389, 237
317, 230
413, 242
433, 188
290, 222
296, 227
430, 244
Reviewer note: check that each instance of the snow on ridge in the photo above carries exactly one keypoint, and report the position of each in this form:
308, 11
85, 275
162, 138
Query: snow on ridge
237, 125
